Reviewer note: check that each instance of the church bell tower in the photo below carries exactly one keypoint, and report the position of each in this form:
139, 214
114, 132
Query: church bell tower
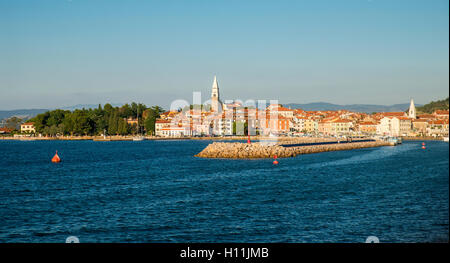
412, 110
215, 99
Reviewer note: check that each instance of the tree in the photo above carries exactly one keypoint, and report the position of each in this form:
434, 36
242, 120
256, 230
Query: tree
82, 124
122, 127
125, 111
150, 115
112, 125
94, 121
13, 123
68, 124
55, 117
434, 105
40, 121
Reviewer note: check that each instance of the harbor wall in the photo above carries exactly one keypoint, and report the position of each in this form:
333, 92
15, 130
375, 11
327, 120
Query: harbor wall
258, 150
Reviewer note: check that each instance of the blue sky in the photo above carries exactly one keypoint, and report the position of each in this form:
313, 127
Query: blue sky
56, 53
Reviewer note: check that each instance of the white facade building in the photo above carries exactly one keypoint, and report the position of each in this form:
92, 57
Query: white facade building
394, 126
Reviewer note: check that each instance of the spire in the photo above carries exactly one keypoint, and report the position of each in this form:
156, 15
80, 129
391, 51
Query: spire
412, 110
215, 96
215, 84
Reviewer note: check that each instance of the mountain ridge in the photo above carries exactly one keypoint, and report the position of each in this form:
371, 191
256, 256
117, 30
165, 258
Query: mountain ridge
314, 106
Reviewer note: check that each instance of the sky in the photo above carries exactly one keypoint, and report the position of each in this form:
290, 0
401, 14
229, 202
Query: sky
56, 53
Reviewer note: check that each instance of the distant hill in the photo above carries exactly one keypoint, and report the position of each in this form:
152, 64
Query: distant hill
367, 108
30, 113
88, 106
23, 113
434, 105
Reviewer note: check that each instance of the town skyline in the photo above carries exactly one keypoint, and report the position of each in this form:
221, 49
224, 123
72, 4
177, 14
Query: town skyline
223, 117
60, 53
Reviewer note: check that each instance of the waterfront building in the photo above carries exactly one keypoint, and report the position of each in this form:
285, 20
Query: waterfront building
160, 125
132, 121
311, 126
325, 127
394, 126
222, 125
419, 126
302, 124
438, 128
168, 115
176, 131
5, 130
275, 124
369, 127
441, 114
341, 127
380, 115
27, 127
298, 124
283, 111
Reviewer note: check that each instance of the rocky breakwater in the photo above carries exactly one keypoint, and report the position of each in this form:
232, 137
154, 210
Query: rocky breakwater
257, 150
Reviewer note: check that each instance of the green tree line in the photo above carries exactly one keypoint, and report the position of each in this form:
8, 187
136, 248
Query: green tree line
434, 105
111, 119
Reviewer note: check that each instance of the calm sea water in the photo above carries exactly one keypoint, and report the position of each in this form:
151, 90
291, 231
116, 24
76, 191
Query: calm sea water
156, 191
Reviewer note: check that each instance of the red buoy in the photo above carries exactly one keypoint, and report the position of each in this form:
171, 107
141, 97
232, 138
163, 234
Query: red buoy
275, 162
423, 144
423, 147
56, 158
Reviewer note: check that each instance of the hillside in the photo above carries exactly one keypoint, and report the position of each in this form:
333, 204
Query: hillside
23, 113
434, 105
30, 113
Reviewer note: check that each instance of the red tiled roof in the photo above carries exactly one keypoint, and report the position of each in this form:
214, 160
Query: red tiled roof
342, 121
367, 123
6, 130
438, 122
393, 114
420, 120
441, 112
162, 121
426, 116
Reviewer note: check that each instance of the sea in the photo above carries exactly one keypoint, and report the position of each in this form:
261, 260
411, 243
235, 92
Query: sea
158, 192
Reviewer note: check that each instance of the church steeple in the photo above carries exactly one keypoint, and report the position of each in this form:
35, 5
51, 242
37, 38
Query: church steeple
412, 110
215, 100
215, 84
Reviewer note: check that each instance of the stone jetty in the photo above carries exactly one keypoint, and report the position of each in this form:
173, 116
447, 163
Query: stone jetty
258, 150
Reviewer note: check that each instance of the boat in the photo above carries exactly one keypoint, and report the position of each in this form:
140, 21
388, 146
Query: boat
139, 137
394, 140
445, 139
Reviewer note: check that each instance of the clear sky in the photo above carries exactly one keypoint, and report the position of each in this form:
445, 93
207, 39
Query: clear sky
56, 53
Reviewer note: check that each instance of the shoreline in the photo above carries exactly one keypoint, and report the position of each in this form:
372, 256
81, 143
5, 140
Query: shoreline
424, 138
126, 138
230, 138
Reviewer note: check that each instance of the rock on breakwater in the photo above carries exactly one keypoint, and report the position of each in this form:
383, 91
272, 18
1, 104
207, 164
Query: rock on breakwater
258, 151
